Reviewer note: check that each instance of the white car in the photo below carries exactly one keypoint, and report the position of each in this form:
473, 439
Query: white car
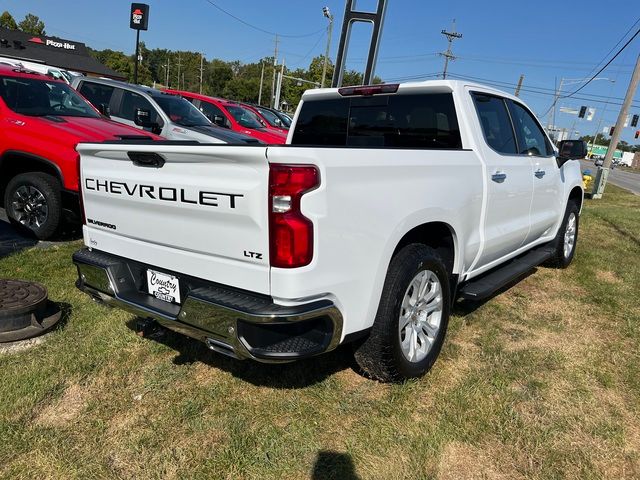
389, 202
164, 114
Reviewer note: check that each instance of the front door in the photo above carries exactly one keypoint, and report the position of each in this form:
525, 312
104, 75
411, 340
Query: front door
532, 141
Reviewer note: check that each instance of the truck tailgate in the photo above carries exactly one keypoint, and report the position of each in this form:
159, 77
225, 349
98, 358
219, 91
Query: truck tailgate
199, 209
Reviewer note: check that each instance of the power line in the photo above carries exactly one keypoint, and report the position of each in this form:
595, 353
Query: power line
619, 42
250, 25
605, 65
499, 84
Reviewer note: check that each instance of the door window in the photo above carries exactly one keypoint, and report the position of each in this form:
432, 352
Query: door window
212, 111
495, 122
131, 102
96, 93
531, 138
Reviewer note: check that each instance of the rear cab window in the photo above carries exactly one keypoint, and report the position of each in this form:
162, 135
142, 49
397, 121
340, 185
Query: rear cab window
409, 120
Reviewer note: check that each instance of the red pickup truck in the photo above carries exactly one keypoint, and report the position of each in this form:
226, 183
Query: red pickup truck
42, 120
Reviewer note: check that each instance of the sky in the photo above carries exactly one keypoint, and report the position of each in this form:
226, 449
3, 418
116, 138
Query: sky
546, 41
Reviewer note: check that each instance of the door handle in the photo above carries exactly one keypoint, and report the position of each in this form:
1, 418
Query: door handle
499, 177
540, 173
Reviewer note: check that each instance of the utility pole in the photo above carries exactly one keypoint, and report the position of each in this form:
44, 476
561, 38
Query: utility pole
178, 70
517, 94
166, 83
327, 13
273, 82
201, 68
276, 102
603, 172
261, 81
448, 55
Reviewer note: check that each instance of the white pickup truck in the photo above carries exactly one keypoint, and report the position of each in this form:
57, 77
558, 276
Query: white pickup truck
387, 203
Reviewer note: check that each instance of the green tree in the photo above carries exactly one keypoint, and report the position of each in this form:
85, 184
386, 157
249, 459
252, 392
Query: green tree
32, 24
7, 21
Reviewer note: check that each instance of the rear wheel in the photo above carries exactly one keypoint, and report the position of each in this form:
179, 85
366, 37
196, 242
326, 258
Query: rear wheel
566, 239
412, 317
32, 201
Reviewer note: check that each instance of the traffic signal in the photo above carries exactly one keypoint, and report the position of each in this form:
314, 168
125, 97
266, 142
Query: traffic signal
634, 121
637, 133
583, 111
611, 131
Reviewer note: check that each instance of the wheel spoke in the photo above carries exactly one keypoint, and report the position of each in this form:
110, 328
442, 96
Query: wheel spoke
419, 316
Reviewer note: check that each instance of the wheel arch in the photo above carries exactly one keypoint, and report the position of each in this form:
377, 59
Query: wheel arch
577, 195
15, 162
438, 235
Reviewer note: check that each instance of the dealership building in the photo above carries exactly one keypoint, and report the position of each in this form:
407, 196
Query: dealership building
52, 51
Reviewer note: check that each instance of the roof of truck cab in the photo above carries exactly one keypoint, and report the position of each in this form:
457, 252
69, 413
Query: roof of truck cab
153, 92
438, 85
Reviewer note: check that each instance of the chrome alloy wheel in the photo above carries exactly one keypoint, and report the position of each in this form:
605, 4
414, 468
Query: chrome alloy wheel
420, 316
29, 206
570, 235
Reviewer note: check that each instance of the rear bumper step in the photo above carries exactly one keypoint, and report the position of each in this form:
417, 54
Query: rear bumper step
236, 323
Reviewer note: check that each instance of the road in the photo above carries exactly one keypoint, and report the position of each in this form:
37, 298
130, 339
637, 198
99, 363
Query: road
627, 180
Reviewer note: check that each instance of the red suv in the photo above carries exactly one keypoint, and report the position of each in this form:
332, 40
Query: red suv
42, 122
234, 116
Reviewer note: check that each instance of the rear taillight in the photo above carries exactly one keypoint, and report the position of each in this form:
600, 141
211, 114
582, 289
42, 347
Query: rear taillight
83, 218
290, 232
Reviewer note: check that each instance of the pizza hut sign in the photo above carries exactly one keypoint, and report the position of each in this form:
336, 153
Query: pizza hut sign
139, 16
65, 45
53, 43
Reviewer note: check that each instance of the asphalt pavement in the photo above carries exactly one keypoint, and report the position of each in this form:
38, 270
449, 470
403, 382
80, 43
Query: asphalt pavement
618, 177
12, 241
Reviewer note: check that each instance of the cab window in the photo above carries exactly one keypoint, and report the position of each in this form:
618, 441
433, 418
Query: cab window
495, 123
96, 93
529, 135
131, 102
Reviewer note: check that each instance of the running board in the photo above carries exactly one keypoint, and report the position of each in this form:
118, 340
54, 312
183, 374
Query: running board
489, 283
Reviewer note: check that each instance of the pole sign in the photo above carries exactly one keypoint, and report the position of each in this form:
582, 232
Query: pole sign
139, 16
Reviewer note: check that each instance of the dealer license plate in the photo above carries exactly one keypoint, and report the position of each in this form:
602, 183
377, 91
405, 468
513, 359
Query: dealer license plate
164, 287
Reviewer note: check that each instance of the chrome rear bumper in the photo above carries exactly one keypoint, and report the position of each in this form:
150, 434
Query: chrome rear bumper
233, 322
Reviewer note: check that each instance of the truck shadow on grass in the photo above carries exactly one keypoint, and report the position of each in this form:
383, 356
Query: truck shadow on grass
293, 375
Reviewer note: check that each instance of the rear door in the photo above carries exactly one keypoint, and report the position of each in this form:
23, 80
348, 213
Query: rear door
509, 181
197, 210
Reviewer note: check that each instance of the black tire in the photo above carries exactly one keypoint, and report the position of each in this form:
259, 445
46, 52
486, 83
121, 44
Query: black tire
559, 258
46, 198
380, 355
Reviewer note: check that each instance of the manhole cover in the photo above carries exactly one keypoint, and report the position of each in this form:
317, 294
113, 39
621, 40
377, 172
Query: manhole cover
25, 310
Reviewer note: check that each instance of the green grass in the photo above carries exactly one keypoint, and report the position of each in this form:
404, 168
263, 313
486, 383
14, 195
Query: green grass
542, 381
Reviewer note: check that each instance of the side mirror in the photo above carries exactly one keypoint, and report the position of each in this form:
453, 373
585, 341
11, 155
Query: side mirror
104, 109
572, 149
220, 121
142, 118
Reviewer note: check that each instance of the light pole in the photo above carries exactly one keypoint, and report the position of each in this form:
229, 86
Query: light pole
327, 13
